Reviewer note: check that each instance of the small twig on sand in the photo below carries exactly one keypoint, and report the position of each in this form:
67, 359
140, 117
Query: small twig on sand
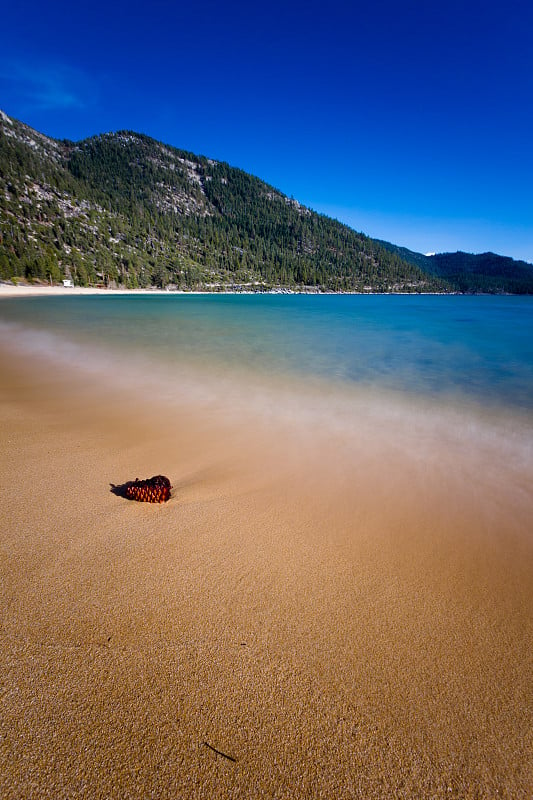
219, 752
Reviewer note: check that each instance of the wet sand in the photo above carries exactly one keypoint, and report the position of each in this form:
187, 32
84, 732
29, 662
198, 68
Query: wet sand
309, 616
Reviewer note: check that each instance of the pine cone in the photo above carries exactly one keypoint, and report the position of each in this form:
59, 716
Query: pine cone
151, 490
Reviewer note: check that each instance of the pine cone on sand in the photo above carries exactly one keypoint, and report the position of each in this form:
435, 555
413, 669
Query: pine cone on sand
150, 490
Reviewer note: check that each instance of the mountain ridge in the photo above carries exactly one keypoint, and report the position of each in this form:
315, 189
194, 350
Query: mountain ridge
122, 209
468, 272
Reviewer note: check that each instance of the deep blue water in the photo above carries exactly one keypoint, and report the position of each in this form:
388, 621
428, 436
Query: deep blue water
476, 348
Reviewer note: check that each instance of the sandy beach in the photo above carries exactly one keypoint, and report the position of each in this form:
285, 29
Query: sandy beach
39, 290
300, 620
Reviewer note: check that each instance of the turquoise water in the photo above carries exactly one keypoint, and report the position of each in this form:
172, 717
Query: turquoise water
471, 348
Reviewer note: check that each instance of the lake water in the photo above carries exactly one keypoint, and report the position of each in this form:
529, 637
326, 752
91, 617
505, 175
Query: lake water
446, 349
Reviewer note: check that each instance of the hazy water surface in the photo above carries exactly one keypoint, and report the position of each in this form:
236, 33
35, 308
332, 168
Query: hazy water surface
471, 348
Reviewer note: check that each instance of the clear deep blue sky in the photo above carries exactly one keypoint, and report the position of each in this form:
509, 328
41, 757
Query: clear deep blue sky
411, 121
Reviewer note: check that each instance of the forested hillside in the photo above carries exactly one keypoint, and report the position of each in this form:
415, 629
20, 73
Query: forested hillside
468, 272
485, 272
123, 209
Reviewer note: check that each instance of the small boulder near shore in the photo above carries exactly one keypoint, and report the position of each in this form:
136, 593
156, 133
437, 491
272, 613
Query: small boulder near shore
150, 490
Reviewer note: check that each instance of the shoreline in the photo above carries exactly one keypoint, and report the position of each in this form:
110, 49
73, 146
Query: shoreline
351, 620
9, 290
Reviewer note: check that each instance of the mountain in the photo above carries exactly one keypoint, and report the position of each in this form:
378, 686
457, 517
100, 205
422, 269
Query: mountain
122, 209
468, 272
486, 272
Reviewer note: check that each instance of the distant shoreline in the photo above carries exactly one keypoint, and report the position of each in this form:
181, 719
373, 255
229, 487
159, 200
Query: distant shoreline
7, 290
25, 290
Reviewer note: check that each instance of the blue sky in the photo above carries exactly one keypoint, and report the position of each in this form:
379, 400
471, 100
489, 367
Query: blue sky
411, 121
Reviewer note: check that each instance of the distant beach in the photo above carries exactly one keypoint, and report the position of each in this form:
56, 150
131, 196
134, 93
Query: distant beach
336, 601
27, 290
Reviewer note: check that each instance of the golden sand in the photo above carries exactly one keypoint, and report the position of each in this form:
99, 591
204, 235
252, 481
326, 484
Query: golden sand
299, 621
40, 290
